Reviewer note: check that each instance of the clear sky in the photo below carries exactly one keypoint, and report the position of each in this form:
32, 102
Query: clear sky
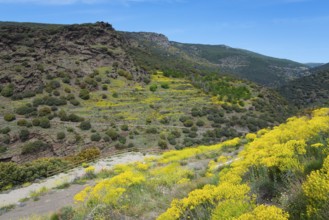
292, 29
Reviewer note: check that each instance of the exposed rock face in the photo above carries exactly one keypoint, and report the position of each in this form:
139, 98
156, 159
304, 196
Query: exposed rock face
31, 53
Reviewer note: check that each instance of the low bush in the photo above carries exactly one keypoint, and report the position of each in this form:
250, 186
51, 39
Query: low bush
112, 133
25, 110
22, 122
85, 125
84, 94
33, 147
3, 149
5, 130
9, 117
24, 135
95, 137
163, 144
44, 122
61, 135
36, 122
124, 127
8, 90
153, 87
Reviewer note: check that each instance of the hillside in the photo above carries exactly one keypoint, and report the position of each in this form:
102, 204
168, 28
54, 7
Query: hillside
309, 91
279, 174
156, 51
65, 88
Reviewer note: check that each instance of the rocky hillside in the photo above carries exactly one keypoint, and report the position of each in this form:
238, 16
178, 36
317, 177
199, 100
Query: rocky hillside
32, 53
156, 51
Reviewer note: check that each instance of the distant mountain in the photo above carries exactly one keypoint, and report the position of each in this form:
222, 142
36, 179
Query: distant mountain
324, 67
156, 51
309, 91
313, 65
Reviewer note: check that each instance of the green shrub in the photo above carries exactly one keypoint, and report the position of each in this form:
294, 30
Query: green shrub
124, 127
74, 118
24, 135
5, 130
200, 123
153, 87
54, 84
115, 95
8, 90
61, 135
17, 174
85, 125
106, 138
5, 139
122, 140
188, 123
44, 111
56, 93
44, 122
25, 110
165, 85
163, 144
49, 100
112, 133
3, 149
84, 94
152, 130
95, 137
74, 102
36, 122
104, 87
9, 117
125, 74
22, 122
34, 147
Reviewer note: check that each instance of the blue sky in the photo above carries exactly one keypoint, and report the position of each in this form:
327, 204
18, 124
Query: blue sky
292, 29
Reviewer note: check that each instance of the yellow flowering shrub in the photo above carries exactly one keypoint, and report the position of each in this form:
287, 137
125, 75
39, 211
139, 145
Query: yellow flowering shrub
264, 212
316, 188
209, 195
178, 155
169, 175
251, 136
108, 191
142, 166
90, 169
230, 208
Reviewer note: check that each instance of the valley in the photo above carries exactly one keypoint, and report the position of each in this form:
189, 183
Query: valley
220, 132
